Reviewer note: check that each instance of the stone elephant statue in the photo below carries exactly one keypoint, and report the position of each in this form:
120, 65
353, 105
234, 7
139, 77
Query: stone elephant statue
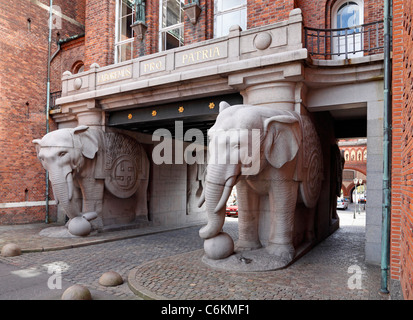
280, 164
94, 171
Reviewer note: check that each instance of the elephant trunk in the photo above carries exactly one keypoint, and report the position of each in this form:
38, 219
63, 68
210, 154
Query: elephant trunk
217, 191
63, 192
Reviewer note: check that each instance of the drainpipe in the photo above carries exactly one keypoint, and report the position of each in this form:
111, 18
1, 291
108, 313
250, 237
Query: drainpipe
385, 232
48, 100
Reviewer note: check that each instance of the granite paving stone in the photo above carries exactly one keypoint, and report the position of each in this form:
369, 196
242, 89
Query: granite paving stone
166, 264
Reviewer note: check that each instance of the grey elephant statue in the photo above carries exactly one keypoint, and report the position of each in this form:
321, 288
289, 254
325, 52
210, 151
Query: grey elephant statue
273, 170
94, 171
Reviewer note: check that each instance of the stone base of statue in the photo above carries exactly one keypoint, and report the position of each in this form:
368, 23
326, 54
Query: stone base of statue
255, 260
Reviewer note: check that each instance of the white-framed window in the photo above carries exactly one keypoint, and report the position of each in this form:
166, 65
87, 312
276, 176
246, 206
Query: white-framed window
227, 14
171, 24
348, 14
124, 36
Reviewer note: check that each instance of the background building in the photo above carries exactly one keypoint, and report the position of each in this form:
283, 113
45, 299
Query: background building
124, 53
355, 157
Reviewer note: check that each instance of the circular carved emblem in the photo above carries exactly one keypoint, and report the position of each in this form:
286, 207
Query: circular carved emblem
310, 187
123, 181
123, 165
77, 84
262, 41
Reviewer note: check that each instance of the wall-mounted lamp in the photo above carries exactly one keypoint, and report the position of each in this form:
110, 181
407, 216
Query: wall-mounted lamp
192, 10
139, 26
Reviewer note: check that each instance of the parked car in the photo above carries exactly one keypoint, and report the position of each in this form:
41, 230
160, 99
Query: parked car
232, 211
342, 204
362, 198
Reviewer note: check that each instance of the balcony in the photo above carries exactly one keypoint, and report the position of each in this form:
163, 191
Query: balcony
53, 96
346, 43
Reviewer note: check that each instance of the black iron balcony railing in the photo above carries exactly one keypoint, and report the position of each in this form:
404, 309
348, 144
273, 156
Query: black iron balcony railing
346, 43
53, 97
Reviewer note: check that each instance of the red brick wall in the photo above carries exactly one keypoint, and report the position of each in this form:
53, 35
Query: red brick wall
70, 53
266, 12
100, 32
23, 66
150, 42
204, 28
100, 26
402, 162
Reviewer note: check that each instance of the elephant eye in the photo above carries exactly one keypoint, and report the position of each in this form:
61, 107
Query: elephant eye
62, 154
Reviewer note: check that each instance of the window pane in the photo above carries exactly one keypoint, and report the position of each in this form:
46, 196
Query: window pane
172, 38
348, 16
172, 12
124, 21
125, 51
125, 30
126, 8
229, 4
227, 20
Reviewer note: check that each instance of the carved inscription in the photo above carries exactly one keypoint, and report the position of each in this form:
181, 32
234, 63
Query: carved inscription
199, 55
153, 65
114, 75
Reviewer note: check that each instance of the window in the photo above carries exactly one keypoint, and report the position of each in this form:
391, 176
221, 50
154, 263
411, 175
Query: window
171, 24
347, 14
78, 67
124, 33
227, 14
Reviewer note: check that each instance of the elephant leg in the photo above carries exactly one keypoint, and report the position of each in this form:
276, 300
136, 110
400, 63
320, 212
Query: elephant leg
92, 191
283, 199
248, 215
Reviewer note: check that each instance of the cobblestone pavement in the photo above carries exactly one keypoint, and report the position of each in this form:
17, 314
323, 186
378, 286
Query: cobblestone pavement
168, 265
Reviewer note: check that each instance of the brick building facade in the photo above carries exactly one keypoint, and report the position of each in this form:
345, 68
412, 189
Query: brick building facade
355, 166
24, 51
402, 192
98, 32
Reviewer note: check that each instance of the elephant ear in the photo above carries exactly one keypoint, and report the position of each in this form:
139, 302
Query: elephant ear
37, 144
87, 140
282, 139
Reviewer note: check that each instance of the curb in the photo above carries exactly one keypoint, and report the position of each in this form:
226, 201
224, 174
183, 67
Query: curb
143, 292
139, 233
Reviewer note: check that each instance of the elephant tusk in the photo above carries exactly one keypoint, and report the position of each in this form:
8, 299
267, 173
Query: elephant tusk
226, 192
69, 180
201, 199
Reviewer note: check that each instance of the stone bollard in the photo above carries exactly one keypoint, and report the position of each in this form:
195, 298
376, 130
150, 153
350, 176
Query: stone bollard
10, 250
110, 279
77, 292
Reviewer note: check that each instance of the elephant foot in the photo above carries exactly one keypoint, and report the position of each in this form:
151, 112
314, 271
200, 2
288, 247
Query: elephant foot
245, 245
284, 251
